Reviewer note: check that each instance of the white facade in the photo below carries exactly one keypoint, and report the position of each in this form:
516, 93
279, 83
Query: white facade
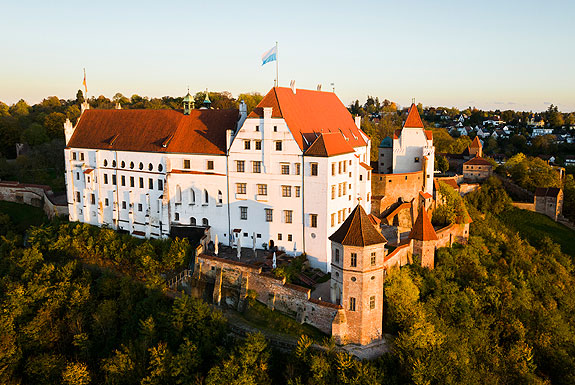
409, 151
264, 187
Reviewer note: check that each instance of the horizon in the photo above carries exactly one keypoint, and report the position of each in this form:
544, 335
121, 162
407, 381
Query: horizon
490, 56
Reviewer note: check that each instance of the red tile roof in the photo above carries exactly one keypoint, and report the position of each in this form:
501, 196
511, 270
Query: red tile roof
201, 132
478, 161
329, 144
422, 228
310, 112
366, 166
429, 134
357, 230
413, 119
448, 181
425, 195
476, 143
547, 192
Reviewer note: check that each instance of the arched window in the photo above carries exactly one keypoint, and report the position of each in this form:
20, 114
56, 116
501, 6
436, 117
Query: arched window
178, 194
220, 198
113, 163
192, 221
206, 197
150, 167
123, 164
131, 164
160, 167
192, 196
105, 162
205, 222
141, 166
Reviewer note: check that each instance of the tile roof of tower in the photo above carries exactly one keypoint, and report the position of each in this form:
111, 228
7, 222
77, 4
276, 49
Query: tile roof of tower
357, 230
200, 132
422, 229
476, 143
478, 161
308, 112
413, 119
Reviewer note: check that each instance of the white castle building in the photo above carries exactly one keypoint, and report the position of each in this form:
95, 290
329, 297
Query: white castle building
410, 150
288, 174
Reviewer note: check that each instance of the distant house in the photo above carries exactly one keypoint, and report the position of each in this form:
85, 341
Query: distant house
535, 121
569, 160
477, 169
493, 121
482, 133
549, 201
541, 131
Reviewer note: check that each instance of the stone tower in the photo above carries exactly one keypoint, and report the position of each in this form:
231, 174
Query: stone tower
424, 238
357, 278
475, 148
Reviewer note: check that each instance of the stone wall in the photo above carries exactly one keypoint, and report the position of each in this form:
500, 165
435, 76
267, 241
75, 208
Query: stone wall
33, 195
234, 279
389, 188
524, 206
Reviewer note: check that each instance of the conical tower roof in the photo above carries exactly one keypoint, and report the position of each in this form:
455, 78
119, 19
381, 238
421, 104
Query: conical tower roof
413, 119
357, 230
422, 228
476, 143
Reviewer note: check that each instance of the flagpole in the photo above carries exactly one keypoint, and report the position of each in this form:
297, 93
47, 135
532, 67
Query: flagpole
277, 65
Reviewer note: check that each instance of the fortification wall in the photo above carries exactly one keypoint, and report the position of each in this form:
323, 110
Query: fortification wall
451, 234
392, 187
33, 195
237, 278
401, 256
524, 206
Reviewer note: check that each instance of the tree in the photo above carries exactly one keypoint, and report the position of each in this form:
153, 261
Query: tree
21, 108
441, 163
79, 97
54, 124
553, 117
4, 110
76, 373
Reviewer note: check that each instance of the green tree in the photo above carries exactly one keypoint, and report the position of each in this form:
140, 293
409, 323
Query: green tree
54, 123
76, 373
21, 108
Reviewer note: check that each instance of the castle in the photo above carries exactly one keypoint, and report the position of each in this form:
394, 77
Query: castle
292, 175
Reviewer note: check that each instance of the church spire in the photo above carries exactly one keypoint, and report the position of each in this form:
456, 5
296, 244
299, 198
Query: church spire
188, 103
207, 101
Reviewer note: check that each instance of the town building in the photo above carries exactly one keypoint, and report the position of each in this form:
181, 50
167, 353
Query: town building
286, 175
477, 169
549, 201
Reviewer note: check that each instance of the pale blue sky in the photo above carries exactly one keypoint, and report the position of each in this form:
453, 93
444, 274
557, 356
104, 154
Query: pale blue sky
489, 54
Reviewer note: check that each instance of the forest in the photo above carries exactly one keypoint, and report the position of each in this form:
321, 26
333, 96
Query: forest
84, 305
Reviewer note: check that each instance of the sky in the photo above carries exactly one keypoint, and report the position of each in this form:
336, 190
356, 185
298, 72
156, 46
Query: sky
505, 54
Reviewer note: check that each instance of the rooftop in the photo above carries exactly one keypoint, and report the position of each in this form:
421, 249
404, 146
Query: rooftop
357, 230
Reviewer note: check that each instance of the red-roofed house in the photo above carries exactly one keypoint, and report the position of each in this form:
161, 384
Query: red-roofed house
287, 175
477, 169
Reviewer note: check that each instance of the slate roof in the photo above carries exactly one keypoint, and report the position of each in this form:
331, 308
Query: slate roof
357, 230
310, 113
201, 132
329, 144
387, 142
547, 191
422, 229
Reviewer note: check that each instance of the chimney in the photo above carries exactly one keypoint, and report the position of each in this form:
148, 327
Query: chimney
319, 87
292, 85
358, 121
85, 106
268, 112
68, 130
229, 135
243, 114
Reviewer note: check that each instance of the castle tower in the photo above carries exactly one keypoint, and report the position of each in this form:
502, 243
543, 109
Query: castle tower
424, 238
475, 148
357, 277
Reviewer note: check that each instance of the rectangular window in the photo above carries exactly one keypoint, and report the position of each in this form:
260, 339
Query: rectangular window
351, 304
279, 237
269, 215
123, 180
105, 178
286, 191
73, 156
210, 165
368, 175
186, 163
416, 160
246, 144
124, 205
243, 212
139, 207
297, 168
288, 216
262, 189
78, 196
278, 145
373, 259
339, 167
344, 166
339, 189
240, 166
336, 255
257, 128
92, 199
150, 183
258, 144
344, 188
339, 216
285, 168
333, 169
313, 220
275, 128
353, 260
290, 237
241, 188
106, 202
131, 181
177, 216
333, 192
332, 219
372, 302
81, 156
297, 191
257, 166
141, 182
314, 169
77, 176
114, 179
160, 184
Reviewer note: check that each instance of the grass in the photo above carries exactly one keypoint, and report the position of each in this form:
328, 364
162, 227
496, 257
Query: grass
260, 316
23, 216
534, 226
